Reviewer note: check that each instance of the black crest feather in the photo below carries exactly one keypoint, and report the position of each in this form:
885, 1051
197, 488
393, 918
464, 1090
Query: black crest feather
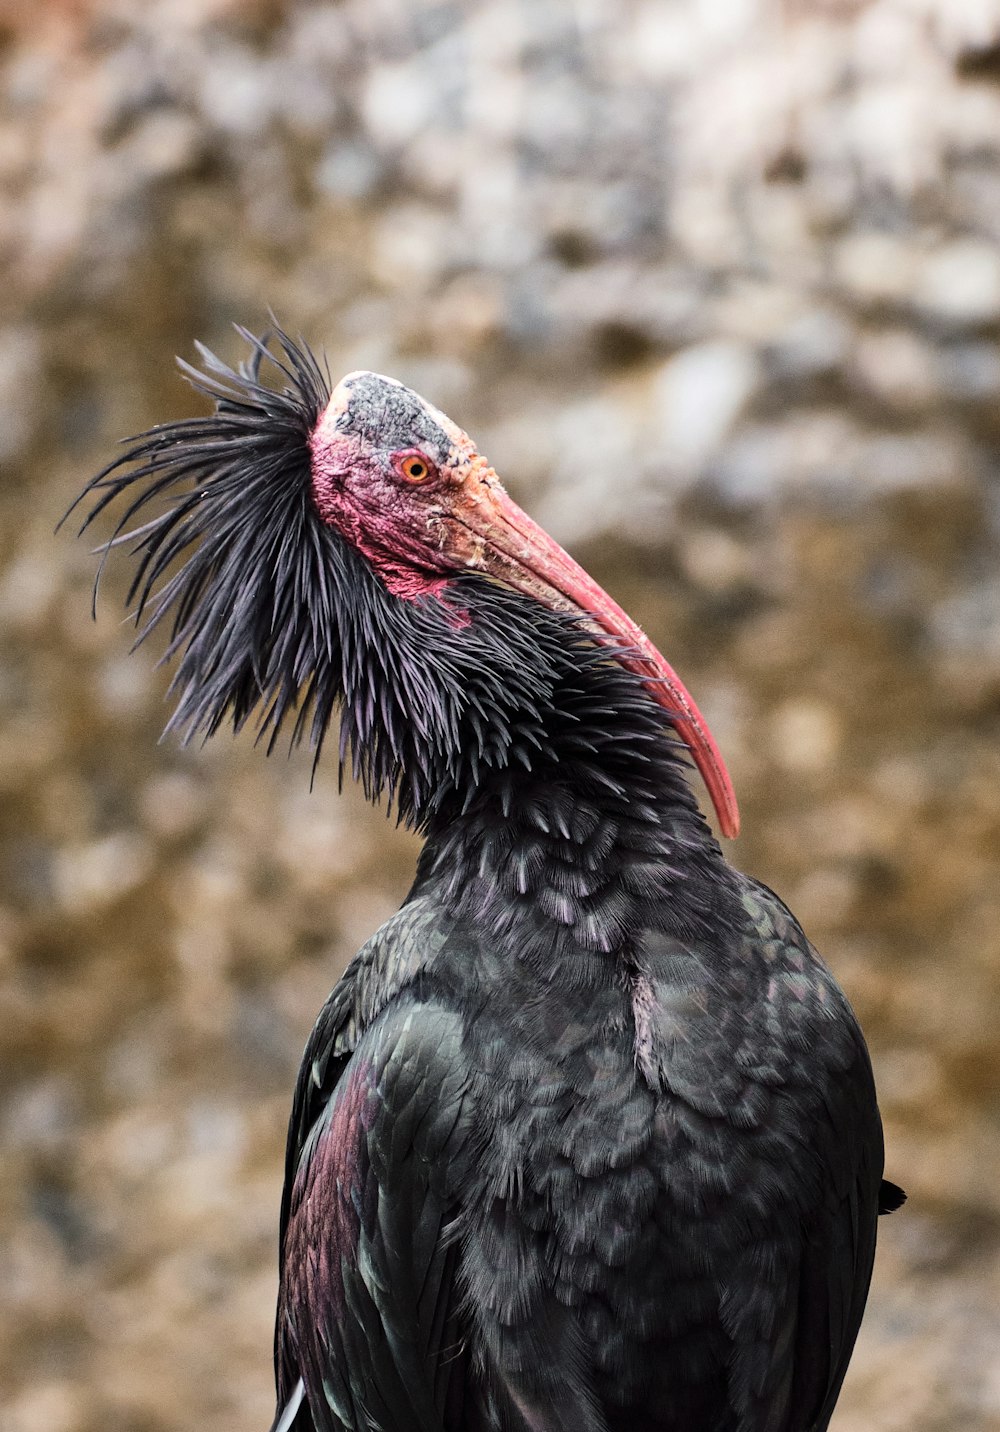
236, 558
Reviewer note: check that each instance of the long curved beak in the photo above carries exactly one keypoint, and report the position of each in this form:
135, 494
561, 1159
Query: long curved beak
508, 544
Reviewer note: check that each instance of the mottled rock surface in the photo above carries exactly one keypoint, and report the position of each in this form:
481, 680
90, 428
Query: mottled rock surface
716, 283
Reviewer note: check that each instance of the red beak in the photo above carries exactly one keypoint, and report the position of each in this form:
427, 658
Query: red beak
514, 548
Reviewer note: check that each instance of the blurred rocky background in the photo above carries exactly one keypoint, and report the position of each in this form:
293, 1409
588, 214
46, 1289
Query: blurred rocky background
716, 283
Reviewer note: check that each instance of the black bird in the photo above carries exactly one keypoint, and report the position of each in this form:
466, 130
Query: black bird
585, 1139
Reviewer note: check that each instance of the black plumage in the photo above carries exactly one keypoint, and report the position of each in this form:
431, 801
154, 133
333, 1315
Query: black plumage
586, 1136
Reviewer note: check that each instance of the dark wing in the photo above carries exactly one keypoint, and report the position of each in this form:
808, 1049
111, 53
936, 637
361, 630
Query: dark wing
826, 1102
796, 1299
385, 965
368, 1303
377, 1313
838, 1250
326, 1056
774, 1159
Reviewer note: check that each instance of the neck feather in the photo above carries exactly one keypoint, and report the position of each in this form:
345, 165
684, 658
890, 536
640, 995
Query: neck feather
582, 849
553, 796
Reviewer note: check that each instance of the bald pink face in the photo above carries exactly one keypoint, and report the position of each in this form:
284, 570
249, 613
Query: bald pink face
409, 490
394, 476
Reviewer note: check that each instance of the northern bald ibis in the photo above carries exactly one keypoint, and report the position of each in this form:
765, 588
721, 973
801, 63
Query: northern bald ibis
585, 1139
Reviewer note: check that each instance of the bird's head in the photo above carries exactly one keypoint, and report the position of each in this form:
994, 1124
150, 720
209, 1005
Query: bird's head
354, 547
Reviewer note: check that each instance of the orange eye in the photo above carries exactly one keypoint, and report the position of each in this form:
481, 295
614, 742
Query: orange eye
414, 466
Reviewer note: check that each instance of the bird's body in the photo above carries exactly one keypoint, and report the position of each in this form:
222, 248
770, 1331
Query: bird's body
640, 1119
585, 1139
627, 1231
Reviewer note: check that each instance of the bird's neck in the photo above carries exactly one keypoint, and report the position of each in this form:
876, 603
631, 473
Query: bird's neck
585, 850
